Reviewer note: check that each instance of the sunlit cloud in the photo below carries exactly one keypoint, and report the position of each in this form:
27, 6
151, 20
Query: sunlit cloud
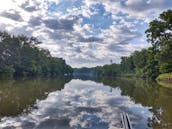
83, 32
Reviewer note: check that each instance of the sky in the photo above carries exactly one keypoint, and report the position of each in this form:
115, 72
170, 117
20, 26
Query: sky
86, 33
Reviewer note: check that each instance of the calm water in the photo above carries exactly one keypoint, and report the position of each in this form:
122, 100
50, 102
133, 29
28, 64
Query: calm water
81, 104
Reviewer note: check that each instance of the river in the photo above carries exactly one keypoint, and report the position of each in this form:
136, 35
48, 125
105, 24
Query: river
62, 103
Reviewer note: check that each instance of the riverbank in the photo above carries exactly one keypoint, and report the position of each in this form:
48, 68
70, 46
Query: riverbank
165, 77
165, 80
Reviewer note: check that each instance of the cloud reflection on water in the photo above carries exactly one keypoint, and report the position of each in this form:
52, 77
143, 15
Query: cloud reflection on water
81, 105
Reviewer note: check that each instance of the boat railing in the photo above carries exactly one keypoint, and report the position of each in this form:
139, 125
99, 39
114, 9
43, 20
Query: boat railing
126, 123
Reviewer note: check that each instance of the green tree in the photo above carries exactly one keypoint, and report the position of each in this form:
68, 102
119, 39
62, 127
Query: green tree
127, 64
20, 56
159, 34
140, 59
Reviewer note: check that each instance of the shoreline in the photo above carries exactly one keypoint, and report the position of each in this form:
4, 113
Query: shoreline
165, 80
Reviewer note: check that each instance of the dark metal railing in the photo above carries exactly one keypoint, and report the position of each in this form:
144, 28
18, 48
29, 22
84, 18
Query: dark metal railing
126, 124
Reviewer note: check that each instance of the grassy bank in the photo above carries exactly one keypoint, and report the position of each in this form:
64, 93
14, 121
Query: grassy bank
165, 80
165, 77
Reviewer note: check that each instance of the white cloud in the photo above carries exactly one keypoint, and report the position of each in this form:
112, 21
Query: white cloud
83, 34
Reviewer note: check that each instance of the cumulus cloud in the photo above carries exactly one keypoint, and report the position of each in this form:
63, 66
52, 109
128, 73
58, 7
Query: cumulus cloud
35, 21
14, 15
84, 32
63, 24
29, 8
89, 39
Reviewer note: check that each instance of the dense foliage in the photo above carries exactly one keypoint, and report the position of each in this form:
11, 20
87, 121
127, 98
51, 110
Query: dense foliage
148, 62
159, 34
106, 70
20, 56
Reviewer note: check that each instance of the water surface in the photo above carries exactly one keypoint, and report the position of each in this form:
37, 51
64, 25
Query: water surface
81, 104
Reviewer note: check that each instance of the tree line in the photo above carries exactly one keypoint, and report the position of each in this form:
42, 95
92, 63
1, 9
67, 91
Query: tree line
158, 58
151, 62
20, 56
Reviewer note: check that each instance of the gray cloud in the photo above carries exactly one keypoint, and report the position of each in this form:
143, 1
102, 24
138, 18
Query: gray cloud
60, 24
117, 48
90, 39
78, 49
20, 30
28, 8
144, 5
14, 15
35, 21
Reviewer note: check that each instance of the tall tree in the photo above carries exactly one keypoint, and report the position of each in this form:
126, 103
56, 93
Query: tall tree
159, 34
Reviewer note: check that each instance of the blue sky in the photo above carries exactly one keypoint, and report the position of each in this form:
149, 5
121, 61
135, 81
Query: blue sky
83, 32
